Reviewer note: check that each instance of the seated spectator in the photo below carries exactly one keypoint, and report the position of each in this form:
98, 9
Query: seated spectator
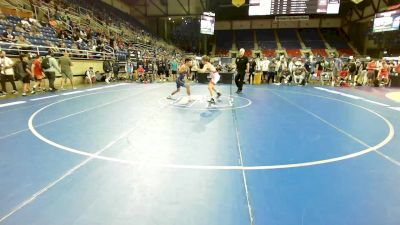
20, 28
90, 76
344, 76
53, 23
141, 74
75, 50
25, 22
53, 48
8, 36
3, 19
23, 44
285, 76
35, 32
34, 22
299, 73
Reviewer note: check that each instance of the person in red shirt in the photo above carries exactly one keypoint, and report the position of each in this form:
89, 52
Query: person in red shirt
344, 76
383, 75
38, 73
141, 74
371, 72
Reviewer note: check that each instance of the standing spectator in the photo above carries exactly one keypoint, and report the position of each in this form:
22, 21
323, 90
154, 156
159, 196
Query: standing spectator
319, 68
129, 69
115, 67
371, 66
37, 73
174, 67
107, 67
242, 67
6, 73
51, 68
264, 67
252, 70
66, 72
26, 74
271, 71
383, 74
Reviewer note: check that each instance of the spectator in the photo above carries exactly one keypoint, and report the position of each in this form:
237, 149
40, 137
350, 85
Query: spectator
8, 36
115, 67
271, 71
25, 73
107, 67
383, 75
174, 67
371, 71
6, 73
344, 76
264, 68
23, 44
38, 73
141, 73
52, 47
129, 70
90, 76
298, 73
66, 72
51, 68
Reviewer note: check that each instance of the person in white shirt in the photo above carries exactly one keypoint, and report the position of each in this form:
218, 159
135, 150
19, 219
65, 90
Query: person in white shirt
90, 76
264, 67
6, 73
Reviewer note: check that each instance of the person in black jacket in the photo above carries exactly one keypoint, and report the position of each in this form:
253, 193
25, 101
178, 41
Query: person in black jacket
107, 67
115, 67
242, 67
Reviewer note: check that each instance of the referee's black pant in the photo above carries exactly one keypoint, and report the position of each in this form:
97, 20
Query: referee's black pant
239, 80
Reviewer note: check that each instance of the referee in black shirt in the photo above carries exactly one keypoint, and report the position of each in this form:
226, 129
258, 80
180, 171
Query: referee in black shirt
242, 67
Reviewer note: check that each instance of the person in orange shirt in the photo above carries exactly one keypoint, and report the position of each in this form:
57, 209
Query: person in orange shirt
37, 73
344, 76
141, 74
371, 72
383, 75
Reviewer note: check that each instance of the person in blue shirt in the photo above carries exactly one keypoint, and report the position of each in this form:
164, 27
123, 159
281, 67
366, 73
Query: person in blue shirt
182, 81
174, 67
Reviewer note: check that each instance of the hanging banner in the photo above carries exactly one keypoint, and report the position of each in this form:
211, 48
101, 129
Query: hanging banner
238, 3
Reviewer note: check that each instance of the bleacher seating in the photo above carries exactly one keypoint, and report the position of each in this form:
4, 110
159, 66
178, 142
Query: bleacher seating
293, 53
319, 52
269, 53
245, 39
311, 39
221, 52
224, 40
288, 39
334, 39
345, 52
266, 39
